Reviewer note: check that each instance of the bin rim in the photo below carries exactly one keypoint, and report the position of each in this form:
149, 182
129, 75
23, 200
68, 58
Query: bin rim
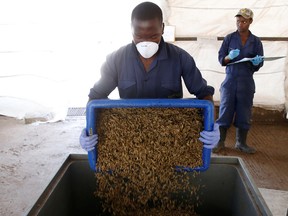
234, 161
206, 105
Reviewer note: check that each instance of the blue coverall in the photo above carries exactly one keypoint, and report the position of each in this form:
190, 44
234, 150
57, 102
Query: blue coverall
124, 69
238, 88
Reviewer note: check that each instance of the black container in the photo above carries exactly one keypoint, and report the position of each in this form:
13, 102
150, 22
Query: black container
229, 190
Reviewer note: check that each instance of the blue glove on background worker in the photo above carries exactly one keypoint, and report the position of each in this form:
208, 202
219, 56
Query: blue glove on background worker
210, 138
257, 60
233, 53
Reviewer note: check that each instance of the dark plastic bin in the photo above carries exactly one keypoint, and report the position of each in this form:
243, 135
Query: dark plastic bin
229, 190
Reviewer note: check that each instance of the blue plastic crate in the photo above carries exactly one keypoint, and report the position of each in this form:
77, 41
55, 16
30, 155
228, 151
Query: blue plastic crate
208, 113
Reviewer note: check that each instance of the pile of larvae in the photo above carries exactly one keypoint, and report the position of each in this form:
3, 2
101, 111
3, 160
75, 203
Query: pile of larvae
138, 152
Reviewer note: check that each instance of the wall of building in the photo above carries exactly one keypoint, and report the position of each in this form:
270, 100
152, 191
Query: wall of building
51, 52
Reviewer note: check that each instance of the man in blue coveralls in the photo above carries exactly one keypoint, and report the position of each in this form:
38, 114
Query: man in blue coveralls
150, 68
238, 88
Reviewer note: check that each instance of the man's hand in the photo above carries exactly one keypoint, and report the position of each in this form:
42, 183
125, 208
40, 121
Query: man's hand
233, 53
257, 60
210, 138
88, 143
208, 97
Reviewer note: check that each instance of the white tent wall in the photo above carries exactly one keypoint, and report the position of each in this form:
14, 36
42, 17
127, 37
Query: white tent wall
206, 18
51, 51
269, 80
208, 21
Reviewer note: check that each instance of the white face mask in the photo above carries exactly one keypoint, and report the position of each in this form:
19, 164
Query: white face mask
147, 48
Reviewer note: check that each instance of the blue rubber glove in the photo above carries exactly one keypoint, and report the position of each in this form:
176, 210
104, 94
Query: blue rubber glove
88, 143
210, 138
233, 53
257, 60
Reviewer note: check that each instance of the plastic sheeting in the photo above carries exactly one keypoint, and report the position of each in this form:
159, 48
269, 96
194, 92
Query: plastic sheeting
207, 21
269, 80
208, 18
51, 53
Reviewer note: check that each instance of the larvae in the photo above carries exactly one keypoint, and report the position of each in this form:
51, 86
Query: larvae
138, 151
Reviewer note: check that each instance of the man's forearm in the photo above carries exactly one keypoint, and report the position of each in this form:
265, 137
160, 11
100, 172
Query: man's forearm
210, 98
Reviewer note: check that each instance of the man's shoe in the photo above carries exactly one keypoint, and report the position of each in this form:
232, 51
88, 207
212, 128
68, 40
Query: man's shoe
245, 148
219, 147
241, 136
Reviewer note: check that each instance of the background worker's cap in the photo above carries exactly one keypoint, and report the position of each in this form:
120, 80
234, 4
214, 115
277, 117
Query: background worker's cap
246, 13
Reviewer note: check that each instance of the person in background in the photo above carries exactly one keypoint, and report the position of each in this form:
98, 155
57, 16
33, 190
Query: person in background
238, 88
149, 67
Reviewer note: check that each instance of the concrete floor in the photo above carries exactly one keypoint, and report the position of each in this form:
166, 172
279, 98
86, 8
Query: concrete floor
31, 154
